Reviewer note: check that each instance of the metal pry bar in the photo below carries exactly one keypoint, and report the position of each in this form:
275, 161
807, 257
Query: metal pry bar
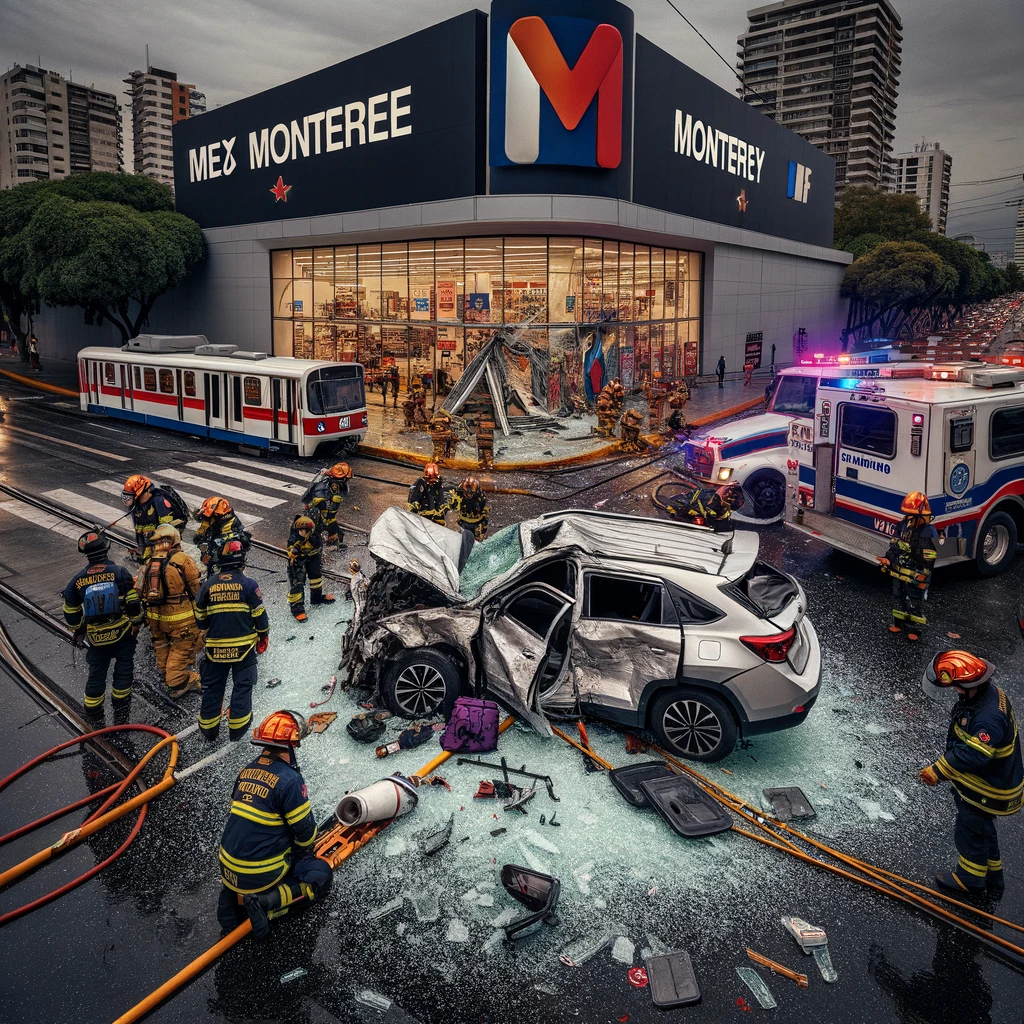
504, 768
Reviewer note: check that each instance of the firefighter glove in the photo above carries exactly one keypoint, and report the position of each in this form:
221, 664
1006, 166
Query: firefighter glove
262, 644
929, 776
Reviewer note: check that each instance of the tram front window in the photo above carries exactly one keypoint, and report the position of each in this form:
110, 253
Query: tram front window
338, 390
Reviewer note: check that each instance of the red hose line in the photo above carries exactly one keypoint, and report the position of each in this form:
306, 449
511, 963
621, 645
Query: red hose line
13, 915
54, 815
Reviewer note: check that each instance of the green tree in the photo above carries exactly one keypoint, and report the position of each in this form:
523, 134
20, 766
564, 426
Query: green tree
864, 210
19, 297
889, 284
111, 259
1014, 278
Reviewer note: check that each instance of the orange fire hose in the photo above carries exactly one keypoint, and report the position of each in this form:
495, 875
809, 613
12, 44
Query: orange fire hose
335, 846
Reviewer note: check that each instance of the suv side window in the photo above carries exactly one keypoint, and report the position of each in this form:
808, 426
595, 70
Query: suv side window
614, 597
691, 609
559, 573
535, 611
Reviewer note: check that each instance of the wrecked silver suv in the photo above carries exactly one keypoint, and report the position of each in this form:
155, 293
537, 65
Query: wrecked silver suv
651, 624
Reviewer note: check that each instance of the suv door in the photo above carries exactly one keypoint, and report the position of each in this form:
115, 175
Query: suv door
627, 635
524, 642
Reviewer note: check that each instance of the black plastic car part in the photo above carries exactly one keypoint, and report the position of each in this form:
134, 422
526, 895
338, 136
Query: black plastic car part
672, 980
627, 780
789, 802
536, 891
686, 807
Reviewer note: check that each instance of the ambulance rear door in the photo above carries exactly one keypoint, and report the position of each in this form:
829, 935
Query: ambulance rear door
956, 473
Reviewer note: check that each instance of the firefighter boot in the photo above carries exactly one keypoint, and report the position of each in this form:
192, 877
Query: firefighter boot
229, 910
994, 881
951, 881
260, 907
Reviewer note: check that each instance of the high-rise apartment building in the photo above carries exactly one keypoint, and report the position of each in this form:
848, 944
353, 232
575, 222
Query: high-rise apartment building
925, 173
830, 72
1018, 241
50, 128
159, 100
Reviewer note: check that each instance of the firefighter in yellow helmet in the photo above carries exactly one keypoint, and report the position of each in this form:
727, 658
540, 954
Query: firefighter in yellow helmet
168, 584
909, 560
218, 523
324, 498
983, 764
303, 561
267, 865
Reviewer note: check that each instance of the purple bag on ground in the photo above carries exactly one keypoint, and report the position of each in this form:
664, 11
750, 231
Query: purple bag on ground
472, 728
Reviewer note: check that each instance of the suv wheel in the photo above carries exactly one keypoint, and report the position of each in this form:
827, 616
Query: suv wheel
766, 494
997, 544
694, 724
421, 684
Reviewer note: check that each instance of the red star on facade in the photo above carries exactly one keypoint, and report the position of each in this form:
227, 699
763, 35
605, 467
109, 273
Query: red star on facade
281, 190
741, 199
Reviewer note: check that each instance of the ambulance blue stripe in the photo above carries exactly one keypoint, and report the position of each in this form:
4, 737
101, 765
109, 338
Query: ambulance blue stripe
776, 439
807, 475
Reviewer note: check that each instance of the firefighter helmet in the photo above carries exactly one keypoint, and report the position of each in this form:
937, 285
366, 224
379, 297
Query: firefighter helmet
354, 567
470, 485
93, 543
167, 533
959, 669
134, 487
431, 472
303, 523
340, 471
916, 504
232, 555
731, 496
284, 730
215, 506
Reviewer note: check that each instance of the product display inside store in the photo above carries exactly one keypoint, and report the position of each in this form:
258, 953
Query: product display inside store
427, 307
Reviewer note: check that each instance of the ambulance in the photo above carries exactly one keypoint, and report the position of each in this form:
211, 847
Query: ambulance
954, 431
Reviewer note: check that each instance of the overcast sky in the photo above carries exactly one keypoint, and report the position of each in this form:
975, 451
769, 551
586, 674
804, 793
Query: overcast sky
962, 83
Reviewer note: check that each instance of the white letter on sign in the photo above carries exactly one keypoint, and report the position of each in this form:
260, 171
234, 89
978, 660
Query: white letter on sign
197, 164
259, 150
378, 117
397, 112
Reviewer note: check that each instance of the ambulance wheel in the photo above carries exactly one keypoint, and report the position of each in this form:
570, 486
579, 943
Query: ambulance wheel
421, 684
766, 495
997, 544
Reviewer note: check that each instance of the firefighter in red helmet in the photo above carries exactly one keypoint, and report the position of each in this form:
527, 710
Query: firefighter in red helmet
983, 764
267, 865
909, 560
428, 496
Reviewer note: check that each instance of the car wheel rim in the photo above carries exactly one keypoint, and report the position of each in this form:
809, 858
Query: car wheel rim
766, 498
996, 543
692, 727
419, 690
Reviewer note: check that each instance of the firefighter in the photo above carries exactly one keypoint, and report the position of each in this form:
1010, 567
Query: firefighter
151, 507
427, 496
485, 441
471, 505
168, 584
229, 606
443, 436
909, 561
605, 414
618, 395
419, 400
218, 523
632, 422
324, 497
717, 510
982, 762
102, 601
267, 865
303, 561
409, 412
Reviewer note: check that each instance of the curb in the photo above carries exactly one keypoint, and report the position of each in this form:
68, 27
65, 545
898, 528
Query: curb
724, 414
42, 385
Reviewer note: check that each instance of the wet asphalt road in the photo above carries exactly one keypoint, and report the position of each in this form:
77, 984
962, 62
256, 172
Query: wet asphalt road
92, 954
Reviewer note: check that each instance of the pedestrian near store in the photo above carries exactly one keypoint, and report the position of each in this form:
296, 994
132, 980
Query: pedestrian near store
471, 506
304, 562
325, 496
427, 497
772, 369
395, 380
218, 523
229, 606
101, 601
909, 560
748, 374
720, 371
384, 381
33, 352
168, 584
267, 865
982, 762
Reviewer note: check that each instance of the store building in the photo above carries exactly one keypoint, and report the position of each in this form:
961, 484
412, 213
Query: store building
396, 208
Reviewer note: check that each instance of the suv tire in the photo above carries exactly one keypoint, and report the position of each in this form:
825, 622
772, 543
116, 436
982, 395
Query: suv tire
766, 495
421, 683
693, 724
1000, 532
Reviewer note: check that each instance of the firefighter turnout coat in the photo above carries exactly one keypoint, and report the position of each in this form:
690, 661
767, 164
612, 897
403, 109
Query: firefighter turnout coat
156, 512
269, 822
123, 610
229, 606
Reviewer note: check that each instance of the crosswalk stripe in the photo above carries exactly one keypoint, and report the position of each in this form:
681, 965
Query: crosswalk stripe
193, 500
296, 474
69, 444
104, 513
252, 478
38, 518
229, 490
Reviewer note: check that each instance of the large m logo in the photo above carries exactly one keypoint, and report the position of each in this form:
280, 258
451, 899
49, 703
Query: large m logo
535, 65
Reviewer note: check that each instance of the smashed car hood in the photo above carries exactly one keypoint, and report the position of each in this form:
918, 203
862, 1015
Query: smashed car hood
419, 546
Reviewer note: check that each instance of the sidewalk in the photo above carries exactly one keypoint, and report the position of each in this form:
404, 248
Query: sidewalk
386, 436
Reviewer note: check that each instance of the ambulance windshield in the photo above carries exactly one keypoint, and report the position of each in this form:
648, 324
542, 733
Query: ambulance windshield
795, 395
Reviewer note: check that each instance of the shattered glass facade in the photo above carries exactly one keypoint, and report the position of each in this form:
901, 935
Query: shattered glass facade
429, 305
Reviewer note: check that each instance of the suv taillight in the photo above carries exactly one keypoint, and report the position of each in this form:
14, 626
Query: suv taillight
771, 648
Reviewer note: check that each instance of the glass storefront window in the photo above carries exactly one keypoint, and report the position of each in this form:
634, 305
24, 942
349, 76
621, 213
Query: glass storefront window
592, 296
395, 349
625, 282
657, 284
422, 305
395, 282
482, 303
450, 278
346, 283
670, 284
641, 283
325, 341
610, 282
281, 264
369, 283
323, 284
524, 292
565, 277
302, 283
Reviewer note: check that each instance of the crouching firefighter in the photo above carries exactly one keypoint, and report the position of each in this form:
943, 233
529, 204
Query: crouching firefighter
909, 560
218, 523
982, 762
102, 601
229, 606
303, 561
472, 508
168, 584
266, 861
717, 510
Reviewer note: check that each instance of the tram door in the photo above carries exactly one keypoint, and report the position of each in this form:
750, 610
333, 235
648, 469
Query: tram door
236, 419
282, 398
213, 393
127, 399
